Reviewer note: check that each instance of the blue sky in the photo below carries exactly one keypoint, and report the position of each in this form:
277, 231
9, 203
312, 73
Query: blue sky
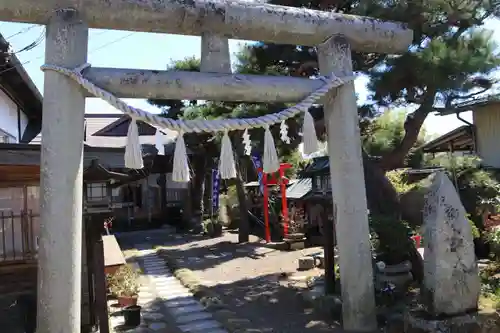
123, 49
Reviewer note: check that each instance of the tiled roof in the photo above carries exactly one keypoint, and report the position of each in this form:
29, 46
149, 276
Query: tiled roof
116, 133
94, 122
97, 121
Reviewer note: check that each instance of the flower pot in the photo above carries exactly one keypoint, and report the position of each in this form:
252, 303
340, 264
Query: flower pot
132, 315
295, 236
399, 275
124, 301
217, 230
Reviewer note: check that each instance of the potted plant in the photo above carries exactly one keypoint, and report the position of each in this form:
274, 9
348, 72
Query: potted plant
132, 315
124, 285
392, 244
212, 227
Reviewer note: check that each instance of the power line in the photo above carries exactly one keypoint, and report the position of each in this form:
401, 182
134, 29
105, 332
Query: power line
112, 42
91, 51
36, 43
22, 31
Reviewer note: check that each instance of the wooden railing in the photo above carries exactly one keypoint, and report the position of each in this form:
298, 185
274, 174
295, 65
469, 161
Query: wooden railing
18, 236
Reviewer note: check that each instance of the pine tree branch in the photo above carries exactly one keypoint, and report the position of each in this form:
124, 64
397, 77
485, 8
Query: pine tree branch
414, 121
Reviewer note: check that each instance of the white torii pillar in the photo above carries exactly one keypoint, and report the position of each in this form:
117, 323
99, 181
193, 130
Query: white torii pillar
348, 190
61, 179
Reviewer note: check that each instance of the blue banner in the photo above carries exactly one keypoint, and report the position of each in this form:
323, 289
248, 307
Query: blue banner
215, 189
258, 164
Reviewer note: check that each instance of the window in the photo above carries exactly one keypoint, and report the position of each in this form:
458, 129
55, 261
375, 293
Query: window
326, 183
317, 183
97, 192
6, 137
115, 194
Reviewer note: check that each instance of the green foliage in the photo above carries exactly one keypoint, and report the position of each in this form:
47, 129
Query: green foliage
478, 188
397, 179
390, 239
475, 230
450, 59
124, 282
384, 133
490, 280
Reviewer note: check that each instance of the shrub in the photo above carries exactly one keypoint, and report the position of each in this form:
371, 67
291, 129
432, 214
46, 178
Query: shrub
124, 282
478, 188
396, 177
390, 239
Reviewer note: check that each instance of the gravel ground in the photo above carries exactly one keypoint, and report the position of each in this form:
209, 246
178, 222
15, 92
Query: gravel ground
253, 280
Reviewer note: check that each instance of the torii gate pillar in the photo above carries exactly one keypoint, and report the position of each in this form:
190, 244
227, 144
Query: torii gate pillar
61, 180
348, 190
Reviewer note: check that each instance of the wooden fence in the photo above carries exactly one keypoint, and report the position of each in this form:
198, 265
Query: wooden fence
18, 236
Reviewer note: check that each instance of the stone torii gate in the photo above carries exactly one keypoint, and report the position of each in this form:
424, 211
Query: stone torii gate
68, 22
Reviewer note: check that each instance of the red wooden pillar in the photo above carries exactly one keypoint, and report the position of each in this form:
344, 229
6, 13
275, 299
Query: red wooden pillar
284, 209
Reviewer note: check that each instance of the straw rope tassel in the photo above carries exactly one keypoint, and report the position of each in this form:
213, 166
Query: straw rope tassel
227, 166
133, 151
247, 143
309, 137
180, 171
159, 145
271, 161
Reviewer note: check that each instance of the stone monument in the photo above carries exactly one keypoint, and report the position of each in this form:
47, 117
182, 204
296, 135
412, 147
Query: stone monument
451, 286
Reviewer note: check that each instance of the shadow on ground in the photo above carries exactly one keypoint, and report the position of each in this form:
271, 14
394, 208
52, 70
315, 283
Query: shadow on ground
272, 306
10, 319
192, 250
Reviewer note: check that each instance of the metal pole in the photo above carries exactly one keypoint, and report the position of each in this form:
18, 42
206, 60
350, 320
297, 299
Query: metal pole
60, 252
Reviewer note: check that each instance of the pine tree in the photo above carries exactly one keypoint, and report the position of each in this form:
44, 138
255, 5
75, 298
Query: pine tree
450, 60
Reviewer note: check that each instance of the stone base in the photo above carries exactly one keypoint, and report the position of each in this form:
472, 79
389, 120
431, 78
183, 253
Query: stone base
420, 322
306, 263
295, 244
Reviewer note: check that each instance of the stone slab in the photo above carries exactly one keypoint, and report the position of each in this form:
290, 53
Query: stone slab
451, 283
200, 326
180, 302
188, 318
416, 322
182, 310
306, 263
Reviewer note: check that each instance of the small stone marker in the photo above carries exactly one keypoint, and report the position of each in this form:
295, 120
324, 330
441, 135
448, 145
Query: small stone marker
451, 283
306, 263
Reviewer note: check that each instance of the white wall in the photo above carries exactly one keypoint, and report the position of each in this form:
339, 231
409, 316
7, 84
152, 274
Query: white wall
487, 122
8, 117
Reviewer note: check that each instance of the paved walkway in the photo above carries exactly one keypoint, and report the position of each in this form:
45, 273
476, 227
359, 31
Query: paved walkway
167, 306
250, 279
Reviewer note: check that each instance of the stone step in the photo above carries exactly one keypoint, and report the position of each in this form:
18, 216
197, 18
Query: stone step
193, 317
188, 313
200, 326
180, 302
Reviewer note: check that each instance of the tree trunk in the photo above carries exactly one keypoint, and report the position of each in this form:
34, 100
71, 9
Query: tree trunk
383, 199
244, 227
413, 124
198, 190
